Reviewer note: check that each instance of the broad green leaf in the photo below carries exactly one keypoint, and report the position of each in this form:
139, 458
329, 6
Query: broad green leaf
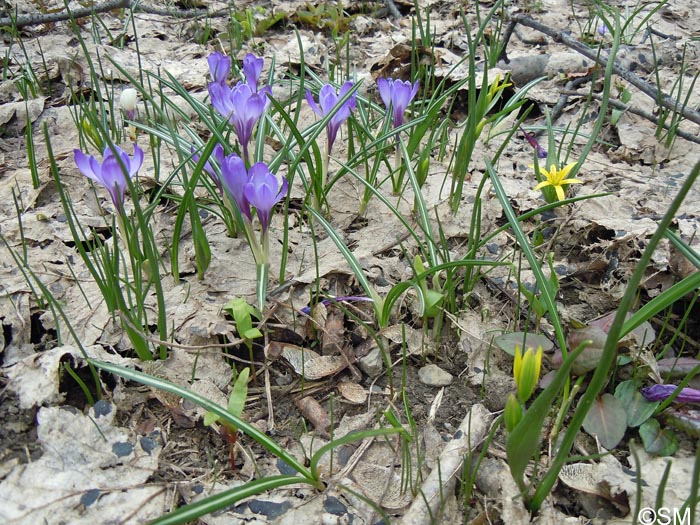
658, 441
253, 333
638, 409
607, 420
508, 342
239, 393
210, 418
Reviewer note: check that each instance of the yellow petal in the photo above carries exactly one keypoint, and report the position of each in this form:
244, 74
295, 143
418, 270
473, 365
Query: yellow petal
571, 181
517, 364
560, 192
566, 169
543, 184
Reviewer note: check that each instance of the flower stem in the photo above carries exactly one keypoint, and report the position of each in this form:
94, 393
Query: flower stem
397, 178
319, 196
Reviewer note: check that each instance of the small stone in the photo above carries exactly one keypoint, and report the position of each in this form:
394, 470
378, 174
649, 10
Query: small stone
271, 509
433, 375
334, 506
122, 448
372, 364
89, 497
102, 408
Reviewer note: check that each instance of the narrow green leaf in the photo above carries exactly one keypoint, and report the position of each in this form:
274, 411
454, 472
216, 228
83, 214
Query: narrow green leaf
222, 500
209, 405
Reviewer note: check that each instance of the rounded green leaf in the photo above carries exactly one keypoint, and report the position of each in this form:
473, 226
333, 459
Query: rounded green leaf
508, 342
658, 441
638, 409
607, 420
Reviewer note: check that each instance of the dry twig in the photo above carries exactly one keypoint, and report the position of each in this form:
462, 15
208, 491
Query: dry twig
646, 88
47, 18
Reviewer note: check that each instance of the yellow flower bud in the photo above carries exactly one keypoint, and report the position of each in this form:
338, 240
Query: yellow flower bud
513, 413
526, 371
91, 133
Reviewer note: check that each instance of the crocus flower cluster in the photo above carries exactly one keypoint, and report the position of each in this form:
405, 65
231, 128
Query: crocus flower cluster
397, 94
242, 104
253, 189
110, 173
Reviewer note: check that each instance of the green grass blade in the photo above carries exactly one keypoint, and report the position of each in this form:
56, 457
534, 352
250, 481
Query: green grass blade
209, 405
224, 499
547, 294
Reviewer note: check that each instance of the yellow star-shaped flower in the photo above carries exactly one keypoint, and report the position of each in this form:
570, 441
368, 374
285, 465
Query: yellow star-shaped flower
557, 179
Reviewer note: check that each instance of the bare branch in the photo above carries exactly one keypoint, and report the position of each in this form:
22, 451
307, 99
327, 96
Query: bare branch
646, 88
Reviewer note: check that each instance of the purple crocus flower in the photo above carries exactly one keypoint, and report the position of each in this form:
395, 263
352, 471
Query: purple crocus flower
397, 94
219, 67
327, 101
219, 156
110, 174
661, 392
241, 106
235, 177
541, 152
252, 68
263, 191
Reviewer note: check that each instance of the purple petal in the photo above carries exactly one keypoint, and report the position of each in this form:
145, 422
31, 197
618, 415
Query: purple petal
248, 108
312, 103
661, 392
252, 68
402, 96
86, 167
414, 90
327, 98
114, 179
352, 101
219, 67
263, 191
385, 89
235, 177
136, 161
219, 156
220, 96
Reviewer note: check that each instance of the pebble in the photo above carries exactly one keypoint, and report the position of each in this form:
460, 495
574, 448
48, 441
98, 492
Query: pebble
433, 375
372, 364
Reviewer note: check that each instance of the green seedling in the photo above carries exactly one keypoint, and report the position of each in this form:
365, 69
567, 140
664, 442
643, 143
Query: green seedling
243, 314
433, 298
624, 96
235, 406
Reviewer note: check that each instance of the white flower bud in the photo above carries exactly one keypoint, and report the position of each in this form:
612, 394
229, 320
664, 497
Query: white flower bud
128, 99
